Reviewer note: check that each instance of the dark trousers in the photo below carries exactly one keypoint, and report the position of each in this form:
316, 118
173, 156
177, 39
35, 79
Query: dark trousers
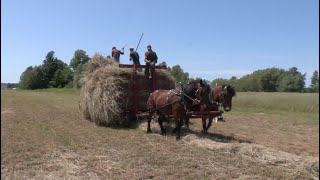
147, 70
136, 62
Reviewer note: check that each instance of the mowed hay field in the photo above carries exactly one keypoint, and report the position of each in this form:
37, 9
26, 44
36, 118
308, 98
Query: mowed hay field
265, 136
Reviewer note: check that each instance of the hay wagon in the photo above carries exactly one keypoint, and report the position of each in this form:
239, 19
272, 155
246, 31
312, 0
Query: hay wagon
133, 110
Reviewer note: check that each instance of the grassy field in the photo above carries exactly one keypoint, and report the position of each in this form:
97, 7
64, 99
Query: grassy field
295, 106
265, 136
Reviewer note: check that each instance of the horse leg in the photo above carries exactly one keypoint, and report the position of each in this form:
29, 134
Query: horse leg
186, 121
179, 122
149, 121
163, 131
175, 128
209, 124
204, 125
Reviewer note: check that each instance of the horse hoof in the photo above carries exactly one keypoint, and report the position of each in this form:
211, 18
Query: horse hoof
204, 132
178, 138
149, 131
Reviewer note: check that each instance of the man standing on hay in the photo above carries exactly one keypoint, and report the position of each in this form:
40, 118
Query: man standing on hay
115, 53
134, 56
151, 58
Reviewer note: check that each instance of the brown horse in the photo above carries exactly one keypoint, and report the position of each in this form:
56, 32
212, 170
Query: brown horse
212, 99
163, 103
204, 94
223, 95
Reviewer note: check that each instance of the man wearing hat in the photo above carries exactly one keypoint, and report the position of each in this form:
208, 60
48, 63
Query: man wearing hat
116, 54
134, 56
151, 58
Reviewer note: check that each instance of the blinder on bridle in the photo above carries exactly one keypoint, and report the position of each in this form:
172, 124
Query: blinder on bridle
199, 97
223, 94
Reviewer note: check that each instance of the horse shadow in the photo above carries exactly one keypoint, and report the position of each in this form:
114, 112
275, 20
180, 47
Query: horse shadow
169, 126
221, 138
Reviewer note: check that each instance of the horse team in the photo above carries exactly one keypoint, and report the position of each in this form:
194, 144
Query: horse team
196, 96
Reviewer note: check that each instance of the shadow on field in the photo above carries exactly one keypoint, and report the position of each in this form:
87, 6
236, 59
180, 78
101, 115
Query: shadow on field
169, 126
214, 136
224, 139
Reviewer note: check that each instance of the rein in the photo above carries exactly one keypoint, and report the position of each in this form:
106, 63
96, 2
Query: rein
189, 97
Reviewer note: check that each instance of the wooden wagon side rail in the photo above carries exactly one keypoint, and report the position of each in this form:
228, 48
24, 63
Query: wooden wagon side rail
134, 66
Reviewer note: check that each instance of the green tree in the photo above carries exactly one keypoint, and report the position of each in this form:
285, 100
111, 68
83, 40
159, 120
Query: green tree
251, 82
233, 78
32, 78
61, 78
78, 74
26, 78
270, 78
52, 73
179, 74
163, 65
219, 81
292, 81
13, 85
315, 81
49, 67
79, 57
78, 63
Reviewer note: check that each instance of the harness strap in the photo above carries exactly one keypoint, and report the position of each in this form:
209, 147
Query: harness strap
165, 105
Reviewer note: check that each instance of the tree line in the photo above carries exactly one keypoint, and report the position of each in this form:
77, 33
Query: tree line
55, 73
266, 80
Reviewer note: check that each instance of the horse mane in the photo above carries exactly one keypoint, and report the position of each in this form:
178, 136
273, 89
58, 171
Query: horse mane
230, 89
193, 82
190, 88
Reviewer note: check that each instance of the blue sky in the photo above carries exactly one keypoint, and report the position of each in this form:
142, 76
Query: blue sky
208, 39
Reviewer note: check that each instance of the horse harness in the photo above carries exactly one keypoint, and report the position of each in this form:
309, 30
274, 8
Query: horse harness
182, 95
220, 95
177, 93
212, 100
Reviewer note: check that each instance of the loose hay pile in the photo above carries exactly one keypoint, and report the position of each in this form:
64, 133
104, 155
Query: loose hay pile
106, 91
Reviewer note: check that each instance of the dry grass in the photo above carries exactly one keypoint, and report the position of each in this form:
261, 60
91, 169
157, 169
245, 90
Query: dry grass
44, 137
106, 93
